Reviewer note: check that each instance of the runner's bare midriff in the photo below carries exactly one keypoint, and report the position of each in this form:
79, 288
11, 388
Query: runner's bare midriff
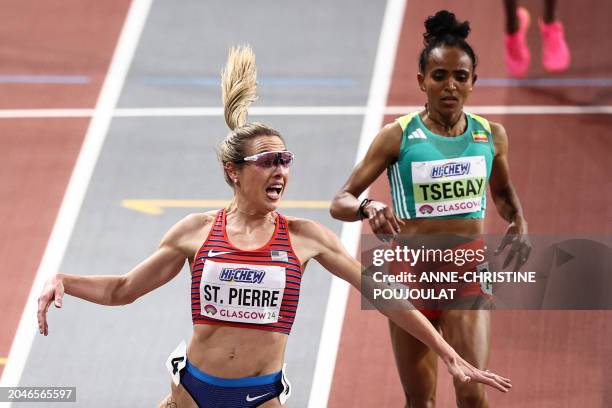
235, 352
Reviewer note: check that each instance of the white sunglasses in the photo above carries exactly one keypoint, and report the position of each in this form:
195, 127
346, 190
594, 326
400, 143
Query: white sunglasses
266, 160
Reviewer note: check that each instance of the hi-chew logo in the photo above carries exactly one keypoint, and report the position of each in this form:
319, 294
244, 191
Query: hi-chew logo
241, 275
450, 170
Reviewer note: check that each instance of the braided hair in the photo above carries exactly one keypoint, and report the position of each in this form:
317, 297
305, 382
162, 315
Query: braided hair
443, 29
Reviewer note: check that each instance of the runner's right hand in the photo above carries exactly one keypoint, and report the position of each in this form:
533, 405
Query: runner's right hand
53, 291
382, 219
464, 372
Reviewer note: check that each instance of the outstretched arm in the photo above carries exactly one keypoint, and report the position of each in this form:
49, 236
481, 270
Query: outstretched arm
327, 249
114, 290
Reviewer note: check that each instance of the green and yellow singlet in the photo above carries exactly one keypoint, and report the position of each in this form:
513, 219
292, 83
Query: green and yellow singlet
438, 176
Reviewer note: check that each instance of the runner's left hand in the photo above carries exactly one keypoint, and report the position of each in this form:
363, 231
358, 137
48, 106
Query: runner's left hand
520, 245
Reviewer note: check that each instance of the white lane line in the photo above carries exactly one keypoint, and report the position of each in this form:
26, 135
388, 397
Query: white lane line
254, 111
302, 111
77, 186
351, 232
516, 109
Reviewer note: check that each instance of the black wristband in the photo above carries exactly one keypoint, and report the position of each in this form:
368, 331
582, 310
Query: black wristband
360, 213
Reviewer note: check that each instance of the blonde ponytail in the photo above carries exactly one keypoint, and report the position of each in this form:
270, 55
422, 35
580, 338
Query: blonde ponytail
238, 85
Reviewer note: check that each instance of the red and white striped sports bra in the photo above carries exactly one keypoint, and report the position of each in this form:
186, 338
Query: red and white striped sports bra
256, 289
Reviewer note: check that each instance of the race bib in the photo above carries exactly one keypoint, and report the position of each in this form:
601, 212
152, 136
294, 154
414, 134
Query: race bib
286, 392
177, 361
449, 186
242, 293
485, 286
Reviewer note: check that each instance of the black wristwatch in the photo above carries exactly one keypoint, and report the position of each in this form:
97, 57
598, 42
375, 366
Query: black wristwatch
360, 212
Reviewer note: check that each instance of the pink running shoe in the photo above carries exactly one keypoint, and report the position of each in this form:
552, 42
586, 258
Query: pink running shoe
555, 53
517, 52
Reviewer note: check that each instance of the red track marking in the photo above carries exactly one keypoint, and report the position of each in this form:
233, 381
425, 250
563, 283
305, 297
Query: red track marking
51, 37
57, 37
559, 166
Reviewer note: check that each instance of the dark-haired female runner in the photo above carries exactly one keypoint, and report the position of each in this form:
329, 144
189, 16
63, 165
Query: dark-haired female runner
439, 161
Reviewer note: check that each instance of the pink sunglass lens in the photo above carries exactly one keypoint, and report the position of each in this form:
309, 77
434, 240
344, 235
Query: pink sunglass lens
272, 159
